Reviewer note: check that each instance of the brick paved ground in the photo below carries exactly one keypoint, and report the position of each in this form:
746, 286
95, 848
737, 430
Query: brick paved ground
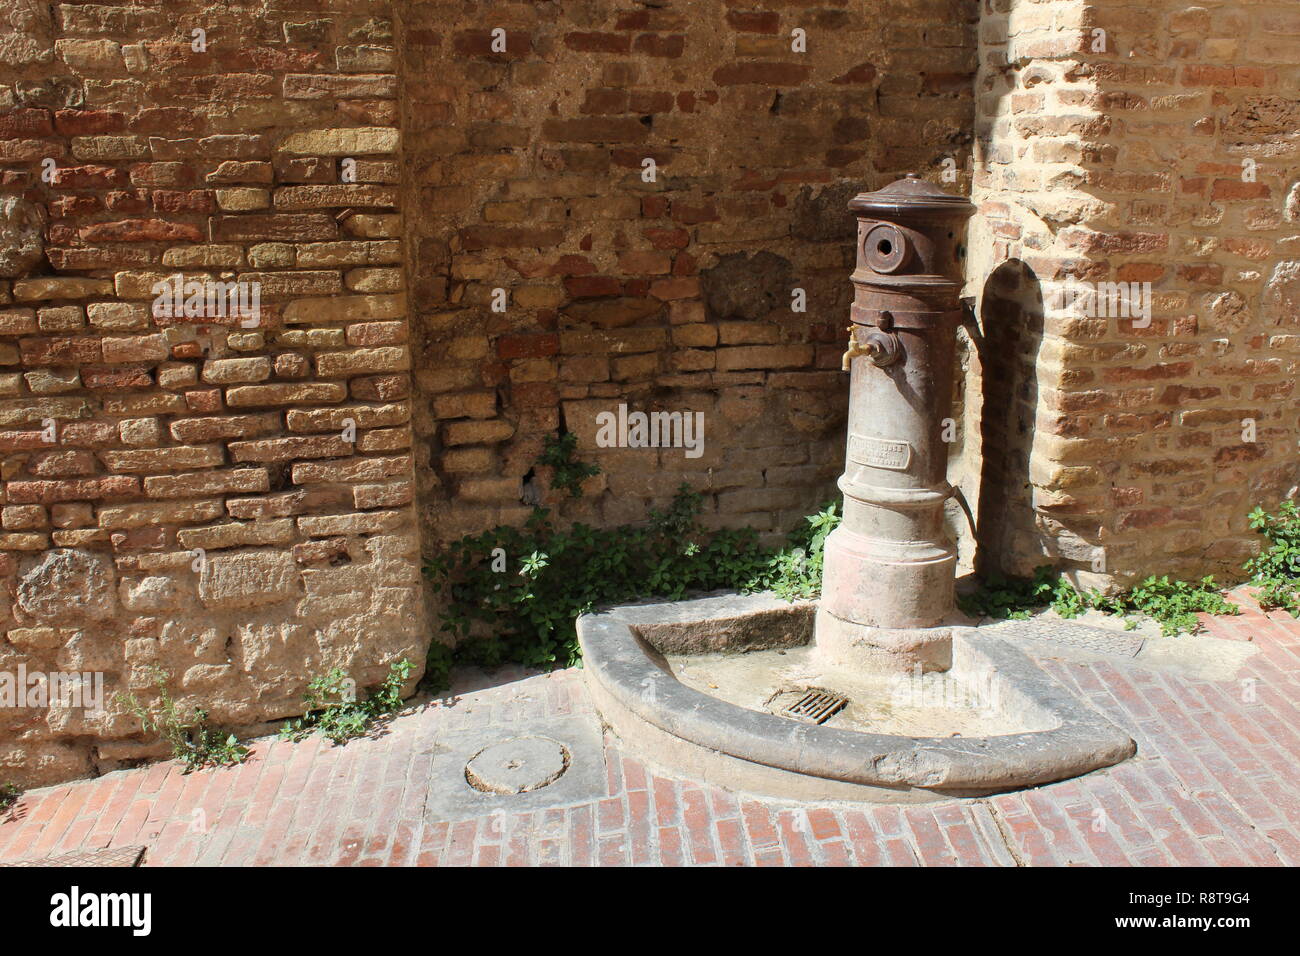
1214, 783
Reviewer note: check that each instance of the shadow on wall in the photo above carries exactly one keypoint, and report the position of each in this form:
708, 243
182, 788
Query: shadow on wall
1011, 326
1202, 204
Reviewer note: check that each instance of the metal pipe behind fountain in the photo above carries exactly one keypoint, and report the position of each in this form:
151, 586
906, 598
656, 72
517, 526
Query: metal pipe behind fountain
890, 567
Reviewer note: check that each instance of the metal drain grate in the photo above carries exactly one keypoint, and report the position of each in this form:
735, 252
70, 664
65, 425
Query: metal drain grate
816, 706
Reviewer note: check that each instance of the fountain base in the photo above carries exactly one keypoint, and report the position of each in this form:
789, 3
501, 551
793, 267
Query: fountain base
883, 649
705, 688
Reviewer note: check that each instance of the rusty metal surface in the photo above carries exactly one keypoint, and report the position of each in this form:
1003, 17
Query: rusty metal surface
890, 564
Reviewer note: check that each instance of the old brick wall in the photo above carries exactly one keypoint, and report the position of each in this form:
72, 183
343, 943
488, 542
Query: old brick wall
525, 175
235, 502
186, 492
1164, 149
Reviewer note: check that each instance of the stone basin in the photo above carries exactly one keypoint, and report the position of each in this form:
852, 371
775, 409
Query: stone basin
697, 686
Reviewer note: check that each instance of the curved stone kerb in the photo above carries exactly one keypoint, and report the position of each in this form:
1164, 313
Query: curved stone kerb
1081, 741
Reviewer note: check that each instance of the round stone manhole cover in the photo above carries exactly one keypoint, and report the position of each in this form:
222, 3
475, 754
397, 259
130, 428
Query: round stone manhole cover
517, 765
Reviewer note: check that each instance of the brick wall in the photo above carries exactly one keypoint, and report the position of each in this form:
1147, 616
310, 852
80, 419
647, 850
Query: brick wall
1120, 156
526, 168
237, 502
185, 491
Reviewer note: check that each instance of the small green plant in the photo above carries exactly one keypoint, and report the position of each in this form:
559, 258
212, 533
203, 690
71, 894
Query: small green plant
513, 594
568, 473
1276, 569
1172, 604
437, 666
333, 708
9, 794
1175, 604
1012, 598
191, 740
795, 572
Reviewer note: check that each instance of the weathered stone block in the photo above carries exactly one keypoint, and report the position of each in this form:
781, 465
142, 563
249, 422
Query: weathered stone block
143, 515
228, 371
22, 240
233, 481
151, 594
1282, 294
365, 522
363, 361
175, 458
249, 579
246, 396
236, 534
69, 586
28, 36
69, 287
346, 308
358, 141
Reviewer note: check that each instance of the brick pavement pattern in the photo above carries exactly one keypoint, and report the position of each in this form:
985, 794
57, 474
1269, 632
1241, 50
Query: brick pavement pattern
1214, 783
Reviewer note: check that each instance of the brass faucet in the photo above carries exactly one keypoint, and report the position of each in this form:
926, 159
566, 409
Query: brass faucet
883, 347
854, 349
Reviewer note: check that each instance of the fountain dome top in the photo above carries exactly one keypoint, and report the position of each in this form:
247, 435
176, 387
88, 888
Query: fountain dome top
910, 195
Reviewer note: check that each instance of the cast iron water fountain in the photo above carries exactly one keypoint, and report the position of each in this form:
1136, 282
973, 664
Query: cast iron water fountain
877, 691
887, 590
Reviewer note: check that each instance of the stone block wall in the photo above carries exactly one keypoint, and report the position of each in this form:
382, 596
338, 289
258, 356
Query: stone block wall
1154, 142
226, 497
526, 164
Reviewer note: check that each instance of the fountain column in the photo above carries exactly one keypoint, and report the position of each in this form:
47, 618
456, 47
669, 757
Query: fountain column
887, 587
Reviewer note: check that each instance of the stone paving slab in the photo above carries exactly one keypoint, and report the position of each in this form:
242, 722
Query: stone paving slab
451, 798
1213, 783
1049, 634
